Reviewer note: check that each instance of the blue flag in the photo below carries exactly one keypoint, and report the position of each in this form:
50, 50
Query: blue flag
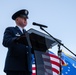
70, 69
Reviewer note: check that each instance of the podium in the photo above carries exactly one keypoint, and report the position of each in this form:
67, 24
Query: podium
40, 43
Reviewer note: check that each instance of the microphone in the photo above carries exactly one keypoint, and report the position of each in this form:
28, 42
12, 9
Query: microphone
39, 25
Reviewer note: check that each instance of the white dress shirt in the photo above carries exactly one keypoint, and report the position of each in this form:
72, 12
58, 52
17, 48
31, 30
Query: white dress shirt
21, 29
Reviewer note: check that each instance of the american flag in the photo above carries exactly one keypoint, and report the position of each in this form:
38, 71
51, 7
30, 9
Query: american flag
33, 69
33, 66
51, 64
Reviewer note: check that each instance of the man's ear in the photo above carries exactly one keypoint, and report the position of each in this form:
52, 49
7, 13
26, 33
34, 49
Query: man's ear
16, 19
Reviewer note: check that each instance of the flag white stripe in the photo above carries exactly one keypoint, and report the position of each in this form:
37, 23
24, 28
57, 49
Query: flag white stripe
33, 65
33, 71
47, 63
45, 56
48, 71
54, 59
55, 66
54, 73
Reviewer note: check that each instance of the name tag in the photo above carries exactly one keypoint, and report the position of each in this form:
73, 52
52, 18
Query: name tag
17, 34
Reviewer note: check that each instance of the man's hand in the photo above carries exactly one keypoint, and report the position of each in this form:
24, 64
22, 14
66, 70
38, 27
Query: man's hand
21, 39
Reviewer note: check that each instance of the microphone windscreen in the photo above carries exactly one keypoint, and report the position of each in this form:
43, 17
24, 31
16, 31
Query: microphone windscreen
34, 23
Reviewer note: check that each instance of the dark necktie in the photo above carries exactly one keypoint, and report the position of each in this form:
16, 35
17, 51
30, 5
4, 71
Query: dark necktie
23, 31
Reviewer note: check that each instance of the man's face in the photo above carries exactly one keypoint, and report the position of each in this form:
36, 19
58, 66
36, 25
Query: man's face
21, 21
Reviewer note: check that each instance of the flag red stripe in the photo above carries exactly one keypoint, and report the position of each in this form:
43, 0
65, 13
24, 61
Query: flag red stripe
33, 73
48, 67
55, 70
33, 68
45, 59
54, 56
55, 63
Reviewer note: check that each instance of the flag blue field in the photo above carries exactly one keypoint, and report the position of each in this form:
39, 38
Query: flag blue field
70, 69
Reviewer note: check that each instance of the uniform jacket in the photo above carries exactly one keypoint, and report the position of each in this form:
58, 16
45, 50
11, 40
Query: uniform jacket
18, 55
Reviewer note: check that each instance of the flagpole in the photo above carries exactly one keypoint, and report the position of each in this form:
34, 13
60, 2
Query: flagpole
59, 54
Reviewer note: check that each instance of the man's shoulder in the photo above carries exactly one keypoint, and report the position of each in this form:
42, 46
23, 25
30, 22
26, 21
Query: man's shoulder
10, 27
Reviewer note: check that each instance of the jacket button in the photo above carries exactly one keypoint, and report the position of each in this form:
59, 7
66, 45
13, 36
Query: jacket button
27, 52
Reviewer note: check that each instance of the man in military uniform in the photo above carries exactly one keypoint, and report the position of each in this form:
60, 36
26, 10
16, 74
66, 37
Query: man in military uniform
18, 60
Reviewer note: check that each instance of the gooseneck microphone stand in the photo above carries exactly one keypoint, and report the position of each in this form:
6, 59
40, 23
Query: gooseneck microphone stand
59, 44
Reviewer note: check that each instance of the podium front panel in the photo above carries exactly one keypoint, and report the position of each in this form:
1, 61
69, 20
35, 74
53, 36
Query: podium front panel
39, 63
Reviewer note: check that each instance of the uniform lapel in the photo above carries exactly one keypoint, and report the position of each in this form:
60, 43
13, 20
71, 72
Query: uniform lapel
18, 30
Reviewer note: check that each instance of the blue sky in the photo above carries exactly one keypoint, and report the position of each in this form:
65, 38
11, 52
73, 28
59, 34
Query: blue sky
58, 15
